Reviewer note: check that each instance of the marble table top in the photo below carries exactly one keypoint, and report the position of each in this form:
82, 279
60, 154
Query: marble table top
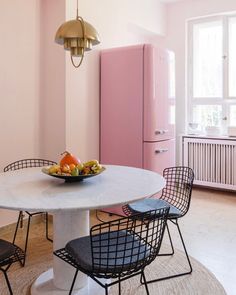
31, 190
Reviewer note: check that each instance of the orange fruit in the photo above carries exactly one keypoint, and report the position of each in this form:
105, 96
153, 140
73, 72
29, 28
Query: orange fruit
69, 159
65, 168
72, 166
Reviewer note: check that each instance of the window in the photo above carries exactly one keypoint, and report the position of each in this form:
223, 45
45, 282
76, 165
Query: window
212, 72
232, 56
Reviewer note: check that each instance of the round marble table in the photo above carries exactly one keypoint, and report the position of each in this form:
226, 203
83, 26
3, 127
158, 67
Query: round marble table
31, 190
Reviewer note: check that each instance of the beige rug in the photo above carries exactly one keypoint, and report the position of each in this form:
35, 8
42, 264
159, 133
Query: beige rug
200, 282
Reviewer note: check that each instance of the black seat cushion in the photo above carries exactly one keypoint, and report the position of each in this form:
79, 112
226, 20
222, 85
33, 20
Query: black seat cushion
7, 249
111, 251
153, 204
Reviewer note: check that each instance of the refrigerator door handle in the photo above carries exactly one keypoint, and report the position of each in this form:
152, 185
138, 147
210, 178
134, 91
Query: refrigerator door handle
161, 131
159, 151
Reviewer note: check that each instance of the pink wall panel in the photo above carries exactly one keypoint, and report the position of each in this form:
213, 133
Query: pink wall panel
52, 81
121, 106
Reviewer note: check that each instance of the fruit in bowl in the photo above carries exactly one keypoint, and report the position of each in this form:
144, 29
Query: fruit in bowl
69, 165
69, 159
54, 169
91, 167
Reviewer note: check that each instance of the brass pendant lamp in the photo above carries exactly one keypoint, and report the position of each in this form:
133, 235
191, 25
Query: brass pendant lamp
77, 36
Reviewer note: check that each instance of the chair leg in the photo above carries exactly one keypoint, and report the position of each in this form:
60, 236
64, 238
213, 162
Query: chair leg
27, 237
176, 275
144, 282
21, 260
17, 226
47, 235
7, 281
185, 250
119, 286
73, 282
106, 290
171, 244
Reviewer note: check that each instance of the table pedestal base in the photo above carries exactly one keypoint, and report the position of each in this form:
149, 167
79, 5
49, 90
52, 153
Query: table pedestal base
43, 285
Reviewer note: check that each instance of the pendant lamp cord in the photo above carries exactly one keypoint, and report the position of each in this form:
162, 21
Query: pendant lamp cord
83, 48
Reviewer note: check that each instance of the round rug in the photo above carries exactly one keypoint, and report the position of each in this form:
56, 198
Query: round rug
200, 282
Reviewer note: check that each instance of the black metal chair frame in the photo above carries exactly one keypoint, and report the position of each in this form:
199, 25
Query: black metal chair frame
121, 249
22, 164
5, 264
177, 193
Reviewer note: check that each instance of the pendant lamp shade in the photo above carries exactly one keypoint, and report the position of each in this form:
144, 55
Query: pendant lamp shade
77, 36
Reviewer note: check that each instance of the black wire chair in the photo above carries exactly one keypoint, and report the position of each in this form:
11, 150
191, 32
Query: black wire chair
22, 164
176, 194
9, 254
118, 249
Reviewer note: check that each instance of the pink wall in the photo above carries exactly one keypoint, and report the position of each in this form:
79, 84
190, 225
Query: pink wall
19, 84
52, 81
177, 15
19, 79
32, 80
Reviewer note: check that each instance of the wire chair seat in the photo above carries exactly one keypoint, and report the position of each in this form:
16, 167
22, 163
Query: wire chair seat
149, 204
9, 254
79, 250
117, 249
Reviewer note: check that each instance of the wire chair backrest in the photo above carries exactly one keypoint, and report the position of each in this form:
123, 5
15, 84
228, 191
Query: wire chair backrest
28, 163
126, 245
178, 189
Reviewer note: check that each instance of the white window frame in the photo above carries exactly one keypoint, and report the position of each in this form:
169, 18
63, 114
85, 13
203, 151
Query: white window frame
225, 101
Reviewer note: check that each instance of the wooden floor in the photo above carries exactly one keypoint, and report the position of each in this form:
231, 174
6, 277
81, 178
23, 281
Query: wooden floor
209, 230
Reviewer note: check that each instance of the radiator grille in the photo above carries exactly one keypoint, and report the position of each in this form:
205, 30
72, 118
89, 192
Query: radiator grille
213, 161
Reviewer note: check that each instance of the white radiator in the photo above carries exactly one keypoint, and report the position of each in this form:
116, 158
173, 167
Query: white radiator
212, 160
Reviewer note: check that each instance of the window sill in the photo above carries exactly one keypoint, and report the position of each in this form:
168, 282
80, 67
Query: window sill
223, 137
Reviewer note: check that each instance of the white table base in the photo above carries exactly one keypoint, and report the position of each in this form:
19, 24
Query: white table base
44, 286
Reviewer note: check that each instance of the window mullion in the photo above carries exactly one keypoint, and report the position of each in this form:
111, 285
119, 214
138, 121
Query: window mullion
225, 58
189, 114
231, 27
225, 116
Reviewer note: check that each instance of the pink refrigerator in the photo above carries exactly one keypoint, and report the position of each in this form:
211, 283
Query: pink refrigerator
137, 108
